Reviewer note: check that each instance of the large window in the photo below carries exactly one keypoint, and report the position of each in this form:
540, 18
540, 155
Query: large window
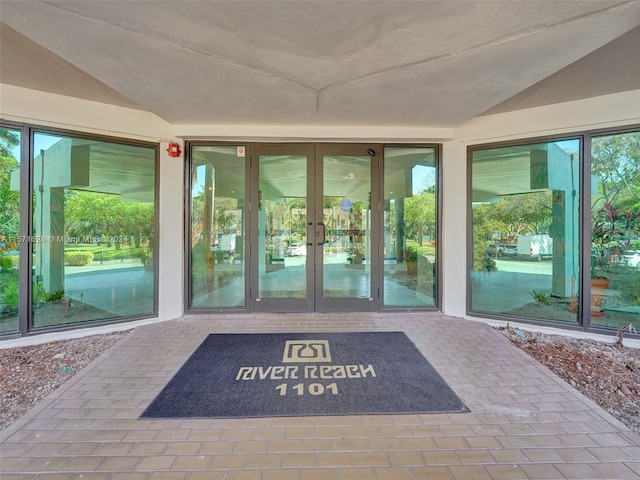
527, 210
410, 226
615, 230
93, 230
525, 242
217, 253
10, 141
87, 242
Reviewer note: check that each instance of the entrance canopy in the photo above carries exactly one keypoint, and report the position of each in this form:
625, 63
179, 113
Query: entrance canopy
417, 63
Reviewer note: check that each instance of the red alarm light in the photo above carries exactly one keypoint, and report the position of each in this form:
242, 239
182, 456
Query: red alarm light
174, 150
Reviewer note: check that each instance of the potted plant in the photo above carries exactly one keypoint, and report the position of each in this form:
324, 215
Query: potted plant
356, 235
612, 234
411, 259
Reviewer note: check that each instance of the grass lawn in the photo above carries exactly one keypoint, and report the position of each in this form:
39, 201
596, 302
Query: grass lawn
106, 253
425, 249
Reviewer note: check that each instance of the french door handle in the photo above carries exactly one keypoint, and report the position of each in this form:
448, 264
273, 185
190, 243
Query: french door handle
309, 228
321, 242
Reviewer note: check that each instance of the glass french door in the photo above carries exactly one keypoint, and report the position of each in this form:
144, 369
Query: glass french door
346, 252
280, 249
312, 245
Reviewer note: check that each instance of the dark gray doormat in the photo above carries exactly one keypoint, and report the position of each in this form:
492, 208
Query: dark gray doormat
301, 374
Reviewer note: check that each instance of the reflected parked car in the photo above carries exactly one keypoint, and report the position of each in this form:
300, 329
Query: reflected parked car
632, 258
493, 250
296, 249
502, 249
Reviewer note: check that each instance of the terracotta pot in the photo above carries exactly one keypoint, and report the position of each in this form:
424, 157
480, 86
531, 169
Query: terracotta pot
598, 285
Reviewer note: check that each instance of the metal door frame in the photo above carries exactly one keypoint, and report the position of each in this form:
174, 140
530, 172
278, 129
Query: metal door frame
352, 304
257, 304
315, 302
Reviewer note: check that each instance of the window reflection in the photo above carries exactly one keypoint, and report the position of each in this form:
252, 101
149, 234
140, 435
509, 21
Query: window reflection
282, 227
93, 230
615, 230
217, 227
410, 226
9, 228
525, 258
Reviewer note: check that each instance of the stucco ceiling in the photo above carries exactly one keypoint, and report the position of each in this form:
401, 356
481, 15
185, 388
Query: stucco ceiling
392, 63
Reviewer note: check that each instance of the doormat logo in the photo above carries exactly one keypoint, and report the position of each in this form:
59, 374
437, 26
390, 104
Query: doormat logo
306, 351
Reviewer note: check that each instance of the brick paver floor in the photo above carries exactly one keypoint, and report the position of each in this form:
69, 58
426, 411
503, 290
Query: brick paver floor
525, 422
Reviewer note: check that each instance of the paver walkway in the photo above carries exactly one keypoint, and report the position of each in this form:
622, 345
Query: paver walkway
525, 422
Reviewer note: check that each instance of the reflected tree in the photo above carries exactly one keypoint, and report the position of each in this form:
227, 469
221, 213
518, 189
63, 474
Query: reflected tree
420, 214
616, 165
9, 140
10, 200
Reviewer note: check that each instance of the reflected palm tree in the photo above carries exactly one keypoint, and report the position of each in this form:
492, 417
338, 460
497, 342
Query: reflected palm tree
8, 141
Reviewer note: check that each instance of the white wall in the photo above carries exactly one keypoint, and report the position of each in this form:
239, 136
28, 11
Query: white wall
44, 109
454, 228
314, 133
590, 114
59, 111
171, 267
608, 111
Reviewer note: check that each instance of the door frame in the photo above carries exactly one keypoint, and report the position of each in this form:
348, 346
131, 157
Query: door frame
257, 304
351, 304
315, 300
314, 150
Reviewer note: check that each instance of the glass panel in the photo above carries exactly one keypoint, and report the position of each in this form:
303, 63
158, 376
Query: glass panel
9, 228
525, 230
217, 226
347, 220
615, 230
282, 227
93, 230
410, 207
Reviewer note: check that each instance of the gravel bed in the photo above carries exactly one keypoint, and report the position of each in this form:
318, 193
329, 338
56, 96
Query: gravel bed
28, 374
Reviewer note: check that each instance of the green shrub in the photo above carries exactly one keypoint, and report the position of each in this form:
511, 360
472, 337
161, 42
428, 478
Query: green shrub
9, 296
40, 295
78, 259
411, 254
629, 288
490, 264
541, 297
6, 262
55, 296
